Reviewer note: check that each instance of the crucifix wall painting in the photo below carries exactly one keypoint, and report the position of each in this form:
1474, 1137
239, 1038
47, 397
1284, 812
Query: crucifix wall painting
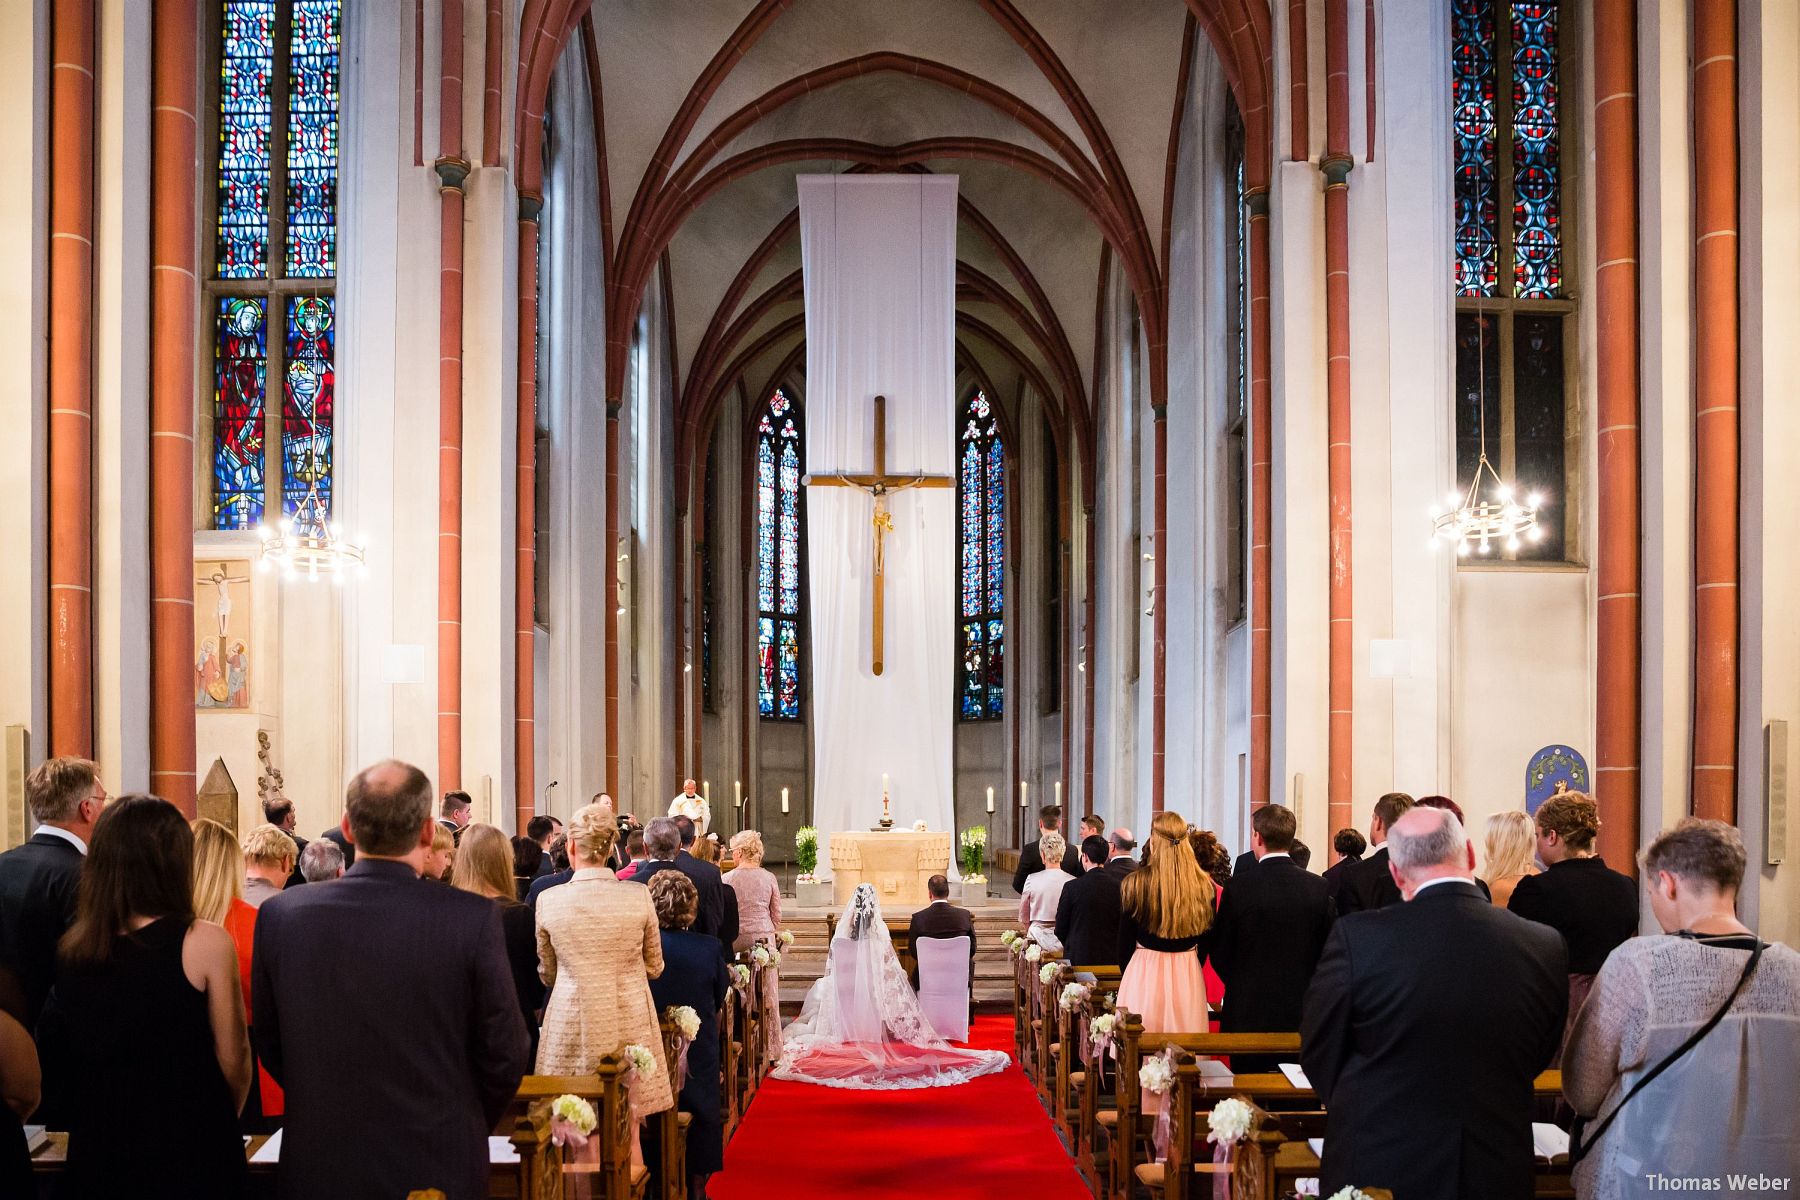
222, 633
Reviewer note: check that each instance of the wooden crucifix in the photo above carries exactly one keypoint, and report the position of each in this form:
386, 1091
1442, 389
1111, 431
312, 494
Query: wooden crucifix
879, 485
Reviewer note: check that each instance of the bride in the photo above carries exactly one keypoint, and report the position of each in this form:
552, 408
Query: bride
862, 1027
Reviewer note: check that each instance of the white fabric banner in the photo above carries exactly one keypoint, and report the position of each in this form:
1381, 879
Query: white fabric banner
879, 260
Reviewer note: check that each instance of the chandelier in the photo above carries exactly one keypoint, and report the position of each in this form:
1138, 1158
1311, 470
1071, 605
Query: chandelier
307, 543
1467, 519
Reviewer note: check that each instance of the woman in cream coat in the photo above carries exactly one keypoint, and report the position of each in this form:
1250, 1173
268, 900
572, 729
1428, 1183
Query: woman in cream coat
599, 947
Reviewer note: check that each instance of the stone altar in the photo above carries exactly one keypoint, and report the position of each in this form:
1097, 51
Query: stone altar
897, 863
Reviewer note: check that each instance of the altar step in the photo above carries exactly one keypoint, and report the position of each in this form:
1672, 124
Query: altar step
804, 962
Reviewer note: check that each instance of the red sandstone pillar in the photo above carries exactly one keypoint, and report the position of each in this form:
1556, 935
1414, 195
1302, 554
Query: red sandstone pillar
174, 315
1341, 684
453, 169
71, 377
1715, 409
525, 522
1261, 504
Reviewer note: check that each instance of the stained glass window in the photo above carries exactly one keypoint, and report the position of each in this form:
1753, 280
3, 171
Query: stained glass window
240, 365
981, 561
275, 199
1507, 148
778, 533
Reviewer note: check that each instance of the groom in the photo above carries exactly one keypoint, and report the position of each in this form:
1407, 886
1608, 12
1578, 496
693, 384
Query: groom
940, 919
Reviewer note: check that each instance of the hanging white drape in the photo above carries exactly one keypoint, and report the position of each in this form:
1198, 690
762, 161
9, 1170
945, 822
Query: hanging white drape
879, 257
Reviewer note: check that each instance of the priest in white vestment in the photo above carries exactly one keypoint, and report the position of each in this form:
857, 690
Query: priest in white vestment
690, 804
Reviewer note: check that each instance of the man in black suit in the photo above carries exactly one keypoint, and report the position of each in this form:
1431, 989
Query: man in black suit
409, 985
1031, 858
940, 919
455, 812
1271, 927
668, 852
279, 812
1087, 912
1120, 847
1369, 885
1425, 1025
38, 879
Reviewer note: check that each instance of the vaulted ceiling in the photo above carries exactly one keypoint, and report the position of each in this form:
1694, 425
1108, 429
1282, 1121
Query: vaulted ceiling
1058, 117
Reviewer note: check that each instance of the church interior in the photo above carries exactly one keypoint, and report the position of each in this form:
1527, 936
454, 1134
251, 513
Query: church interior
1342, 397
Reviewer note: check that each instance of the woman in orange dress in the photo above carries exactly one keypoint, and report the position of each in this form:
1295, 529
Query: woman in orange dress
219, 897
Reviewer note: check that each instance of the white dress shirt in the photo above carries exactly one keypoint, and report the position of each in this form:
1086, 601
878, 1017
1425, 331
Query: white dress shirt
64, 834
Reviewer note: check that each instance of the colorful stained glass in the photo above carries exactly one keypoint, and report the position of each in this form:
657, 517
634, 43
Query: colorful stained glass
778, 534
1476, 133
1536, 141
306, 410
981, 561
312, 131
240, 366
246, 73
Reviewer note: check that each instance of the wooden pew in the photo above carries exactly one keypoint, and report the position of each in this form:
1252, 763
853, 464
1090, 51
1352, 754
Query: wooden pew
1067, 1066
670, 1128
616, 1176
731, 1052
1040, 1014
1188, 1172
538, 1175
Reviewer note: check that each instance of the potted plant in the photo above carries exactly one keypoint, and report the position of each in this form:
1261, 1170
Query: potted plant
809, 890
972, 845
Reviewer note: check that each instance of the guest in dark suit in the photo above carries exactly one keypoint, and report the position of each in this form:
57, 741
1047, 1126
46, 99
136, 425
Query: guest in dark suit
1031, 858
718, 903
345, 846
428, 1017
1349, 844
693, 974
1369, 885
1414, 1103
1120, 847
455, 813
38, 880
1087, 912
940, 919
1271, 928
1594, 907
1244, 862
279, 812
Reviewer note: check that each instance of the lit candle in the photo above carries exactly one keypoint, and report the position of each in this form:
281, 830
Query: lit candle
990, 798
1022, 803
1059, 792
737, 790
784, 806
706, 790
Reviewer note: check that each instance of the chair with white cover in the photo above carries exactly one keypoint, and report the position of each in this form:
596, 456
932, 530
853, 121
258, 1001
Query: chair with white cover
944, 985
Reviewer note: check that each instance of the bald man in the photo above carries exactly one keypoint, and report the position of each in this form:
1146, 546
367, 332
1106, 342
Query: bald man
692, 805
1425, 1025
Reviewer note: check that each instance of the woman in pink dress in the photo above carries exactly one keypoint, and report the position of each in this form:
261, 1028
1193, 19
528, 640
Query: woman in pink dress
759, 921
1165, 906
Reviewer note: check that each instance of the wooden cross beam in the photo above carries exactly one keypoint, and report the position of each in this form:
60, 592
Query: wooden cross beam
878, 485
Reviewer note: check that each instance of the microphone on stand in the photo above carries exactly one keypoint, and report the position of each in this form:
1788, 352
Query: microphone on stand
547, 790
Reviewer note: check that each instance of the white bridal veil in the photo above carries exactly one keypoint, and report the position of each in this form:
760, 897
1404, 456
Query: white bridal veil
862, 1026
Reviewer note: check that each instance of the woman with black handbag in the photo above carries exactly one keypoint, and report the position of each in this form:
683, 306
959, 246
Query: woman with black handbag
1685, 1061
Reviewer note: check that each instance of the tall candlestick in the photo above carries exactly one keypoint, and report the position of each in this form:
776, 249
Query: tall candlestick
737, 790
706, 790
1022, 803
784, 806
990, 798
1059, 793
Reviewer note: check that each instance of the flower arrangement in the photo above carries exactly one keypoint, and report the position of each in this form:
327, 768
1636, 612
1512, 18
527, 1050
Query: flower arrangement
740, 976
1157, 1075
1074, 995
763, 956
921, 827
1033, 952
687, 1021
1010, 939
1102, 1026
785, 937
973, 844
1047, 973
576, 1111
639, 1058
806, 852
1350, 1193
1229, 1122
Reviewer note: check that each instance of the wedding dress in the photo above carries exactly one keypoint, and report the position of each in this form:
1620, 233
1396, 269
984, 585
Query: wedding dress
861, 1026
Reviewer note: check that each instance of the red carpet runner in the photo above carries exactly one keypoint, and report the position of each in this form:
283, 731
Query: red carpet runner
985, 1140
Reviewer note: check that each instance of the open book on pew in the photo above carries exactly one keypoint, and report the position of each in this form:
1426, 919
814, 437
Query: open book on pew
500, 1150
1295, 1075
1550, 1143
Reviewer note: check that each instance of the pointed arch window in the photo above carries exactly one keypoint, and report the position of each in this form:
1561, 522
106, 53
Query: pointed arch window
780, 451
981, 561
270, 293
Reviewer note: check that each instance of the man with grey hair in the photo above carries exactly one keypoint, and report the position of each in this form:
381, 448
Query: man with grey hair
663, 842
1425, 1025
321, 861
409, 983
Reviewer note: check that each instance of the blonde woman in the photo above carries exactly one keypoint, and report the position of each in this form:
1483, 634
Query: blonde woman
759, 920
269, 856
1511, 838
600, 947
219, 898
484, 866
1043, 889
1165, 905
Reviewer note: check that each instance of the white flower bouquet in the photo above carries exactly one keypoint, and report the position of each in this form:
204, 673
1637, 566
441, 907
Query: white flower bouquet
921, 827
576, 1111
1229, 1122
1349, 1193
763, 956
1047, 973
639, 1058
972, 843
740, 976
687, 1021
1157, 1075
1009, 938
806, 853
1033, 952
1074, 995
1102, 1026
785, 937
